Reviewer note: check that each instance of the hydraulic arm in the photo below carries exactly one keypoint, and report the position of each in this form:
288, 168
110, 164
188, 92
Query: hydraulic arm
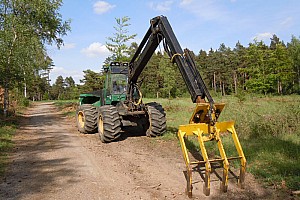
203, 123
160, 30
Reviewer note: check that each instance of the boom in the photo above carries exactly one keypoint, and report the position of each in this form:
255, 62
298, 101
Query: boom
160, 30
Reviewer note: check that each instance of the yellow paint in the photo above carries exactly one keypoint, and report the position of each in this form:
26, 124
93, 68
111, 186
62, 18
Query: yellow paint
100, 124
81, 119
200, 126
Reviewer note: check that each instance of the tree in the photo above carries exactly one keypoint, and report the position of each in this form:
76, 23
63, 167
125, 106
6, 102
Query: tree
274, 41
167, 72
225, 69
259, 78
58, 88
150, 79
91, 81
283, 68
294, 52
25, 27
69, 82
210, 74
241, 63
117, 44
132, 49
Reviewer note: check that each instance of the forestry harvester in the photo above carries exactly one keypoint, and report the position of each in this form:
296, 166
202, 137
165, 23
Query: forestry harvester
120, 104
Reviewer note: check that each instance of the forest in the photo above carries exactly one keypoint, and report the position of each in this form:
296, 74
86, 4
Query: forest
257, 68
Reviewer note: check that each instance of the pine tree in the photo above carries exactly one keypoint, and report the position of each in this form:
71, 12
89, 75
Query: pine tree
294, 52
92, 81
117, 44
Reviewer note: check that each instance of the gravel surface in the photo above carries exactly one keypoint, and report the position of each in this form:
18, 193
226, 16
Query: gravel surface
52, 160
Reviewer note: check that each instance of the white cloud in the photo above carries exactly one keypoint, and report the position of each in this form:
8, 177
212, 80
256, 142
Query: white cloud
204, 9
95, 49
68, 46
262, 36
101, 7
60, 71
161, 6
185, 2
287, 22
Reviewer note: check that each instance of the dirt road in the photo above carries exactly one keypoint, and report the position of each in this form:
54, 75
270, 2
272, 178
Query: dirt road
51, 160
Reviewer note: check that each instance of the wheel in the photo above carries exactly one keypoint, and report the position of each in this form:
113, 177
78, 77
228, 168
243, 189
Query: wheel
86, 117
109, 124
156, 120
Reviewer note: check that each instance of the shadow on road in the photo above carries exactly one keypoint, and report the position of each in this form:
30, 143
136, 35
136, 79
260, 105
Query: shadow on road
34, 166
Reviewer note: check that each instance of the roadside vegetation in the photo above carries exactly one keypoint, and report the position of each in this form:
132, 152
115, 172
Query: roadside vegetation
8, 127
68, 107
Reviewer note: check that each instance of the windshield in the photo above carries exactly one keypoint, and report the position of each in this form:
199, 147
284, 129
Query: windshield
119, 83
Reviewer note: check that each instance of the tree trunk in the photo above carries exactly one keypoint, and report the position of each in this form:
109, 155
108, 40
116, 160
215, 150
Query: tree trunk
6, 100
298, 78
220, 87
25, 90
279, 87
235, 82
7, 68
244, 82
25, 86
215, 84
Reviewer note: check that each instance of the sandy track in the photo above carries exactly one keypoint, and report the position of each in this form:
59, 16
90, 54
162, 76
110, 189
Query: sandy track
51, 160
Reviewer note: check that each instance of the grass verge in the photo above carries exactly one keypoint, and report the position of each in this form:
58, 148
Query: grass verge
8, 127
68, 107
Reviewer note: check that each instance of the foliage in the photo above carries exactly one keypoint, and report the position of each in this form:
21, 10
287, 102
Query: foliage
258, 68
117, 44
92, 81
64, 89
167, 71
294, 52
25, 27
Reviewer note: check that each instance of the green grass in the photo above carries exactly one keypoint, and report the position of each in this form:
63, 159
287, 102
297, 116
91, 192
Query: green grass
268, 129
64, 102
67, 106
7, 129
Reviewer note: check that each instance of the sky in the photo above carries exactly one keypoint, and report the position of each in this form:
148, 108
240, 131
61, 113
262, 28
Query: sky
197, 24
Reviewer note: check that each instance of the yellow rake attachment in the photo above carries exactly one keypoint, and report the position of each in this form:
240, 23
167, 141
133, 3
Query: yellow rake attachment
205, 131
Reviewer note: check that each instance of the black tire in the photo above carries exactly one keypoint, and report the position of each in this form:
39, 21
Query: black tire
157, 125
86, 118
109, 124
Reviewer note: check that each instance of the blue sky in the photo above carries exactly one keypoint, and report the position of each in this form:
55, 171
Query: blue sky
198, 24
